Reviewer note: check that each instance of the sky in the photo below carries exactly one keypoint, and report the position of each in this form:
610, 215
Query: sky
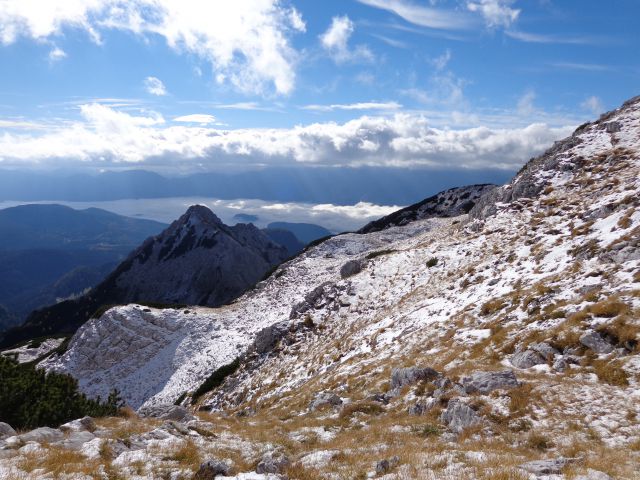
181, 86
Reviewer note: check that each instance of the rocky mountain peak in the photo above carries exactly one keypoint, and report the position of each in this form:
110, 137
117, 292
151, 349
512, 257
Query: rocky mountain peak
200, 214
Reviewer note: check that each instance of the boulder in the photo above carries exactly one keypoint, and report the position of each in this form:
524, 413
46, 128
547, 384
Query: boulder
408, 376
325, 399
544, 349
75, 440
526, 359
85, 424
485, 382
268, 337
459, 416
210, 469
273, 462
385, 466
592, 474
167, 412
551, 466
352, 267
42, 435
422, 407
6, 430
594, 341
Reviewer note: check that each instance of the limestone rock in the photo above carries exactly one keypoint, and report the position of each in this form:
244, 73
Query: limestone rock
325, 399
408, 376
167, 412
352, 267
42, 434
552, 466
485, 382
211, 469
273, 462
526, 359
384, 466
6, 430
594, 341
459, 416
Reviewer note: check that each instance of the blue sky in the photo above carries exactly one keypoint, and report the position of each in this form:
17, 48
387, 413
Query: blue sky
190, 85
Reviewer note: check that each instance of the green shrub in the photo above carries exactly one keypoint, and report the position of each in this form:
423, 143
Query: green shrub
31, 397
216, 379
432, 262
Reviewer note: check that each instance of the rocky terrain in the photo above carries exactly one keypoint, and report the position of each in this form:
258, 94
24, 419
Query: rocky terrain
197, 260
499, 344
450, 203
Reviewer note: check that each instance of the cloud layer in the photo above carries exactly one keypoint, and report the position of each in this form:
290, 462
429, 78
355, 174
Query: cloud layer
246, 42
107, 137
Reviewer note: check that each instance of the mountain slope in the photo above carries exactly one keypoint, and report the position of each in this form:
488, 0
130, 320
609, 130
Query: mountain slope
197, 260
498, 345
449, 203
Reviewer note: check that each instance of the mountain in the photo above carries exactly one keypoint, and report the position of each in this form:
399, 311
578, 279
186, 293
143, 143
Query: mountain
51, 252
379, 185
305, 232
450, 203
53, 226
285, 238
503, 343
196, 260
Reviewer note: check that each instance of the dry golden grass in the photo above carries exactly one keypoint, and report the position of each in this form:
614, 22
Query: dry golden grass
58, 461
610, 372
492, 306
187, 456
609, 308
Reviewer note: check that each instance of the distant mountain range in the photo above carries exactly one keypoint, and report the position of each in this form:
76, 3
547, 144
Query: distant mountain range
52, 252
386, 186
197, 260
305, 232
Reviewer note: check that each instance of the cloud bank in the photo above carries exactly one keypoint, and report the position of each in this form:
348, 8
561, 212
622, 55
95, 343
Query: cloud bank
106, 137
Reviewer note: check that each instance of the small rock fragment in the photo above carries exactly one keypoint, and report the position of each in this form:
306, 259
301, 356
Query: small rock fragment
325, 399
212, 468
273, 462
385, 466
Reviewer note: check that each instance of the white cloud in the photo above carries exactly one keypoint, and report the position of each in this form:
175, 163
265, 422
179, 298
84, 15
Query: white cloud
201, 118
336, 42
107, 137
245, 41
443, 88
154, 86
581, 67
496, 13
424, 16
554, 39
525, 103
56, 54
355, 106
440, 63
593, 105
